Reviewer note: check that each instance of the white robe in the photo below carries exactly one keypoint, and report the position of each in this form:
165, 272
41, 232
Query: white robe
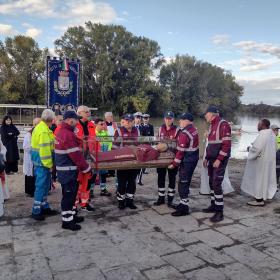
1, 203
27, 163
259, 179
204, 180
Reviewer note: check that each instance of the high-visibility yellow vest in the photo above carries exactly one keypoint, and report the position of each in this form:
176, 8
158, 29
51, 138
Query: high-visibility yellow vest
42, 146
278, 141
106, 144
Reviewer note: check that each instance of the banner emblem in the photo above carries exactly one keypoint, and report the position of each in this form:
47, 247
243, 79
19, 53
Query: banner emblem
62, 82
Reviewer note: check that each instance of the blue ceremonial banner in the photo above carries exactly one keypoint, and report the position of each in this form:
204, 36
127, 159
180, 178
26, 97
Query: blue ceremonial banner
62, 82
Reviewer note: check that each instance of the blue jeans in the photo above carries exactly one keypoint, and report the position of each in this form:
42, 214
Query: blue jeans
42, 186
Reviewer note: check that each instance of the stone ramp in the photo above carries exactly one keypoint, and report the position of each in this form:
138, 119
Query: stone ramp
147, 243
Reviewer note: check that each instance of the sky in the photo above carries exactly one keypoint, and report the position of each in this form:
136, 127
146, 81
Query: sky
241, 36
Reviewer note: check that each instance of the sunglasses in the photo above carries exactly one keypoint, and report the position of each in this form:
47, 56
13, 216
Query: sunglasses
145, 118
138, 117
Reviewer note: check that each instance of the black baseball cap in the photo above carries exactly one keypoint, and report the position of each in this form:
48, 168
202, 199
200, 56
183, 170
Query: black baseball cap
128, 117
71, 114
186, 116
169, 115
212, 109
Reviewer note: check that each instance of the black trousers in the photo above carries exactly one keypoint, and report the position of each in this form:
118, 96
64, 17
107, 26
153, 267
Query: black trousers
216, 177
161, 180
69, 193
29, 185
186, 170
11, 166
126, 183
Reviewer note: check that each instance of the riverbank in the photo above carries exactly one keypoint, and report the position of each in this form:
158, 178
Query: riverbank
147, 243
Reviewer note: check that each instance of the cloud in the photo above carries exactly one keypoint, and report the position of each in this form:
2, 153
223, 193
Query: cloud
250, 64
84, 10
71, 12
38, 7
261, 89
7, 30
52, 52
33, 32
253, 46
169, 32
221, 39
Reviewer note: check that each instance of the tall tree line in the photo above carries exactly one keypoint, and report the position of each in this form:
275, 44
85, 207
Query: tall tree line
121, 72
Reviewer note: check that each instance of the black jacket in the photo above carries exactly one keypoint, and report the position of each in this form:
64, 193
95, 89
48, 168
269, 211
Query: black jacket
147, 130
9, 137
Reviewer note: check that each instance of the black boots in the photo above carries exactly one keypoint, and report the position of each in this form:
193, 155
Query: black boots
160, 201
130, 203
170, 202
210, 209
44, 213
78, 219
49, 212
218, 216
181, 210
121, 204
38, 217
71, 225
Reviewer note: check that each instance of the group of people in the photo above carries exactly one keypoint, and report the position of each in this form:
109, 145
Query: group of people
53, 149
76, 176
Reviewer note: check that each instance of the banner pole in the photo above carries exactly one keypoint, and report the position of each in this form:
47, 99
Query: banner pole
47, 84
82, 82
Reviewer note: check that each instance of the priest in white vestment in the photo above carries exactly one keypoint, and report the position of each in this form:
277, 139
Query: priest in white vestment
259, 178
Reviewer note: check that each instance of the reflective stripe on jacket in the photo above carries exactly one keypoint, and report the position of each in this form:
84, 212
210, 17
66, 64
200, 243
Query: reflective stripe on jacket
187, 145
123, 133
68, 155
42, 146
105, 144
219, 140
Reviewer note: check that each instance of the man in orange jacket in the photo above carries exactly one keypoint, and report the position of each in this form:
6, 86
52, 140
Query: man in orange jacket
85, 128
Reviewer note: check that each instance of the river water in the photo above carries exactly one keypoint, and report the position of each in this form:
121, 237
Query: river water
240, 141
247, 123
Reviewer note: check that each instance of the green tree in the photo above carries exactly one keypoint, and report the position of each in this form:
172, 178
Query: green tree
21, 71
193, 84
117, 65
